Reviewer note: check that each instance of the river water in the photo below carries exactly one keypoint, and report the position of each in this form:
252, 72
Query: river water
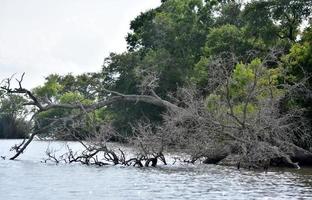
30, 179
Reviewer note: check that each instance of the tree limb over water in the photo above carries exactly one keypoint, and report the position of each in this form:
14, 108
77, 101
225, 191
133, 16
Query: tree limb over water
46, 105
233, 125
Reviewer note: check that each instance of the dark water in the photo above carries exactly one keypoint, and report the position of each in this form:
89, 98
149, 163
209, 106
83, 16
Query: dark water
28, 178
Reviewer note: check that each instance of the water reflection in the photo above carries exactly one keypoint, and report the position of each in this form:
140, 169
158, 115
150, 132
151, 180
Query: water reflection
30, 179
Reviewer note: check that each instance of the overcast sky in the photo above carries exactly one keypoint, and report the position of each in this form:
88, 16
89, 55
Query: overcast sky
41, 37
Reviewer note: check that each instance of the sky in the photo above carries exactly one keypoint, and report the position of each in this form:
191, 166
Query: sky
40, 37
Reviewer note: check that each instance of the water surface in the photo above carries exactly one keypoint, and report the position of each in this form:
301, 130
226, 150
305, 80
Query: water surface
29, 178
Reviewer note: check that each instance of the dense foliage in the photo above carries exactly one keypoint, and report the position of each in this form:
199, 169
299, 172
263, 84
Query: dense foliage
178, 42
12, 118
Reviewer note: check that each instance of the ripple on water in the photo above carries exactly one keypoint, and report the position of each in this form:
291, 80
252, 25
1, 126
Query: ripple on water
30, 179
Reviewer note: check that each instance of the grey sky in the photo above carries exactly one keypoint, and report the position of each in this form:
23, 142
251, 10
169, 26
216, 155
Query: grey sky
41, 37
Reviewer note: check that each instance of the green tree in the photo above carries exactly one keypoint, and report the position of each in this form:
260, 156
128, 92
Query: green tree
66, 89
258, 23
298, 64
119, 74
227, 38
282, 17
168, 41
229, 12
12, 117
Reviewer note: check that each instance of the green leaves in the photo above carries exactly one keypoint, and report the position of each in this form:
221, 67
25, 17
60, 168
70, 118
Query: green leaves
242, 77
227, 38
299, 60
12, 117
250, 85
71, 97
12, 105
298, 65
50, 88
276, 18
180, 41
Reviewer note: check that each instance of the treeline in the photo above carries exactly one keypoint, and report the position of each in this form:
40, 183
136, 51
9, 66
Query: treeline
13, 124
187, 43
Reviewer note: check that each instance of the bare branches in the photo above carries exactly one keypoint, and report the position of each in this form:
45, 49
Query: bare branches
149, 80
21, 147
97, 151
85, 109
236, 119
20, 90
239, 120
115, 97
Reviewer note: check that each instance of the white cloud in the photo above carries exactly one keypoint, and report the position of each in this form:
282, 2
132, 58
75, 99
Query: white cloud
40, 37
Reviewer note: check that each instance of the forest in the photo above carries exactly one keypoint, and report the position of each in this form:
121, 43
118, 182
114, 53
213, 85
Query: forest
222, 81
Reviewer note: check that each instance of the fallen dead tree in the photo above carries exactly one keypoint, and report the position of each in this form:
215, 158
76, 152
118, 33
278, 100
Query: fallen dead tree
233, 125
97, 152
239, 127
42, 105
